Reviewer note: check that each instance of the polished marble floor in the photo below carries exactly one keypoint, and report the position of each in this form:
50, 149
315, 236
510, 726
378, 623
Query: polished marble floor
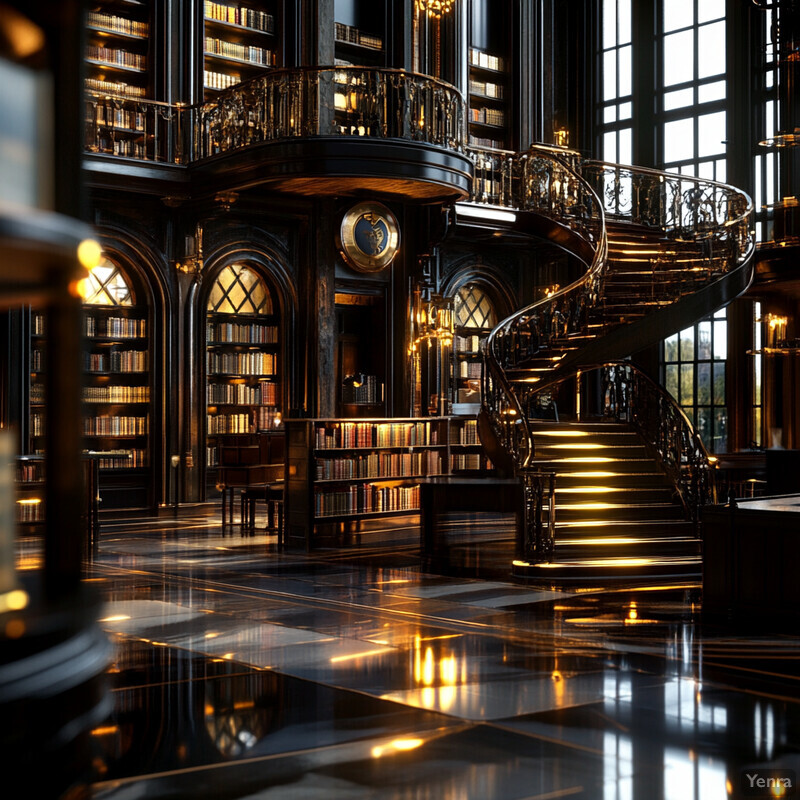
245, 672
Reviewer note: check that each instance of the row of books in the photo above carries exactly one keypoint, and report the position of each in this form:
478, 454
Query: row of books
114, 87
464, 461
380, 465
116, 394
219, 80
347, 33
29, 473
477, 58
485, 88
246, 17
466, 433
252, 363
229, 423
367, 434
241, 52
121, 58
110, 22
104, 114
468, 344
115, 327
241, 333
366, 498
115, 426
487, 116
240, 394
133, 458
482, 141
469, 369
116, 361
30, 509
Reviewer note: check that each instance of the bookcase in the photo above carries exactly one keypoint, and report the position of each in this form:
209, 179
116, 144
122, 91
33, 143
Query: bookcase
488, 100
242, 378
357, 481
359, 33
30, 487
240, 41
118, 50
466, 452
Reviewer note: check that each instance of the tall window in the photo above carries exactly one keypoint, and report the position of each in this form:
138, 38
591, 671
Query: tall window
474, 319
616, 90
694, 366
239, 290
693, 87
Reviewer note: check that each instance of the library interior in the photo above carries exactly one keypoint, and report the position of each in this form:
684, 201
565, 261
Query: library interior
400, 399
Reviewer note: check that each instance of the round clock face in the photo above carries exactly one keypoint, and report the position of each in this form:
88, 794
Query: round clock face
369, 237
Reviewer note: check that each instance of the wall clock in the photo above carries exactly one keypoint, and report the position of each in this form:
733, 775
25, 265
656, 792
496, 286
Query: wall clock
369, 237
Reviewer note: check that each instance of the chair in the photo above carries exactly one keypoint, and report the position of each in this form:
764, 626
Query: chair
273, 451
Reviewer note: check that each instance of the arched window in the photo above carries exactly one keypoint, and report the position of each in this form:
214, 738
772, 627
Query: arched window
239, 290
108, 286
475, 317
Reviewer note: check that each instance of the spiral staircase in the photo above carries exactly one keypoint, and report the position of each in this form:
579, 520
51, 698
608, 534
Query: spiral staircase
614, 474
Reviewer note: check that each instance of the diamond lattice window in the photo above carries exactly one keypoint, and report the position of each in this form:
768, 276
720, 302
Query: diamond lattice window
474, 309
108, 286
239, 290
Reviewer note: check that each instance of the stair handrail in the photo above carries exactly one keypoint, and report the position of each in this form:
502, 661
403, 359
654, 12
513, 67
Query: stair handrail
545, 182
685, 206
630, 395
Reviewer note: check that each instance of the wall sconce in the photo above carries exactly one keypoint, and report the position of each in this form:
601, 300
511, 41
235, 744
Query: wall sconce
561, 137
436, 9
776, 330
192, 263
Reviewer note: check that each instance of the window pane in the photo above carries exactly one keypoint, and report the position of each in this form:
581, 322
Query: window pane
625, 147
704, 384
703, 425
687, 383
711, 50
678, 140
671, 348
625, 110
704, 340
679, 99
720, 339
610, 75
678, 14
709, 9
610, 114
678, 58
719, 383
624, 21
711, 134
609, 24
624, 71
712, 91
687, 344
720, 443
672, 380
610, 146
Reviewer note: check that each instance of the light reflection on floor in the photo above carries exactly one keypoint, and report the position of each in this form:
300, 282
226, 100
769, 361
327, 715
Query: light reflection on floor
241, 672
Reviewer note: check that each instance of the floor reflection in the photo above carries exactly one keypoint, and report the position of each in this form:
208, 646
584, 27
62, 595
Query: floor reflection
245, 672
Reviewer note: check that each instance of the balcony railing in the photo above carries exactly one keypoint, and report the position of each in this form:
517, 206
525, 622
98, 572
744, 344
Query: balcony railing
353, 102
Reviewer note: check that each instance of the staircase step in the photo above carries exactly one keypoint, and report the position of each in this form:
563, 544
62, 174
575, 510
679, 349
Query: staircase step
623, 568
587, 462
614, 512
612, 478
624, 529
630, 547
613, 494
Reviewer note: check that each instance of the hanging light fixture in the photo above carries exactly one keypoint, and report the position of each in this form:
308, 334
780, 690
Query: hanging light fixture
436, 8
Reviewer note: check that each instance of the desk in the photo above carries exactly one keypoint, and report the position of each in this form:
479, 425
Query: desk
249, 476
441, 495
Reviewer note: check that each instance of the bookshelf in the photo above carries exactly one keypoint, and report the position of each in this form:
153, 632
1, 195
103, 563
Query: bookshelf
243, 386
118, 54
30, 487
359, 33
354, 481
466, 452
489, 117
239, 43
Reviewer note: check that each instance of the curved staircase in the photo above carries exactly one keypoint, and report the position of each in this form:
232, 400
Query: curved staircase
614, 473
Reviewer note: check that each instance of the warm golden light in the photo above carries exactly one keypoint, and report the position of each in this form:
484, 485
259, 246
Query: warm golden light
364, 654
578, 446
562, 433
90, 254
115, 618
397, 746
15, 600
436, 9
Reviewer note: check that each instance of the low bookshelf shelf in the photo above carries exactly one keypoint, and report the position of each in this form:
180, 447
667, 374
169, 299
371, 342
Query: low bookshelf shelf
352, 482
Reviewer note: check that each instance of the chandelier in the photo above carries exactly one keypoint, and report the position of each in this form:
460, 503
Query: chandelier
436, 8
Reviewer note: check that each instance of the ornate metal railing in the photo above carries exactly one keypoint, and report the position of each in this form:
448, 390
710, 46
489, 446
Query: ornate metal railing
685, 208
536, 538
542, 181
631, 396
132, 127
328, 101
